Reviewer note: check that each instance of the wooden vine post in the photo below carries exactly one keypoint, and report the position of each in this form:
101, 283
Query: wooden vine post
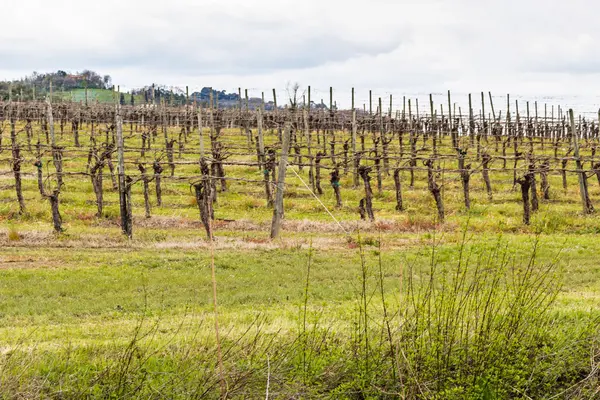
354, 130
260, 140
450, 123
278, 209
432, 125
246, 121
201, 136
16, 160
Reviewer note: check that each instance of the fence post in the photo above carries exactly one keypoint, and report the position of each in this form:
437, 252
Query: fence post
450, 123
354, 155
200, 132
432, 125
16, 158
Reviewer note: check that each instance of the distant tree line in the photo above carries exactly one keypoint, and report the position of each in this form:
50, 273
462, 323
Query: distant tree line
39, 83
160, 93
204, 95
156, 94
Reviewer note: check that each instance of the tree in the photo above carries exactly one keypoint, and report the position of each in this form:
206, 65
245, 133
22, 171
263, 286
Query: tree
94, 80
292, 91
59, 79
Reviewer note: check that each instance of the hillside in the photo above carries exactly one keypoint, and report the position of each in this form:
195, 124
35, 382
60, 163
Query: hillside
99, 95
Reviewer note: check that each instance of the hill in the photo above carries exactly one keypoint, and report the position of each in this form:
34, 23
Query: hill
99, 95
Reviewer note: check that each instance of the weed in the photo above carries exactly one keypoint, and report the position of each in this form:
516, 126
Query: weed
13, 234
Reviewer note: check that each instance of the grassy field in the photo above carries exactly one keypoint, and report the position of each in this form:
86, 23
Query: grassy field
98, 95
479, 307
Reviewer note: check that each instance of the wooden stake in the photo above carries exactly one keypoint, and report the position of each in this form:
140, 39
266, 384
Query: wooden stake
471, 121
536, 119
417, 108
451, 124
200, 133
433, 124
330, 98
354, 129
450, 117
311, 172
483, 115
261, 143
492, 105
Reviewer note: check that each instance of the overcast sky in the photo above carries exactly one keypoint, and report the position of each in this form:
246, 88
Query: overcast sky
529, 47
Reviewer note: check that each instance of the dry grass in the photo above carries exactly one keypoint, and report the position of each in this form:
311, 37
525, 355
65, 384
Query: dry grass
13, 235
19, 262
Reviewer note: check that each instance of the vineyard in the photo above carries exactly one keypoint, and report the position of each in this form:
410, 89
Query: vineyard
380, 252
351, 158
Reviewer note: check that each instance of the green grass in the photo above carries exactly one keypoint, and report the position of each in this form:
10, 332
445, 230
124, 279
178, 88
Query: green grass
100, 96
88, 302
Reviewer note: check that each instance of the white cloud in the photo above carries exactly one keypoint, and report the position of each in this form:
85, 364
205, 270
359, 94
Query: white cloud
532, 47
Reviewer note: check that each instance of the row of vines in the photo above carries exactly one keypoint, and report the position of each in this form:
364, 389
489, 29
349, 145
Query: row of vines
146, 145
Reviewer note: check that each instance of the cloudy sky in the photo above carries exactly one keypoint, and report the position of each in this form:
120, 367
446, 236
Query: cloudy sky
529, 47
